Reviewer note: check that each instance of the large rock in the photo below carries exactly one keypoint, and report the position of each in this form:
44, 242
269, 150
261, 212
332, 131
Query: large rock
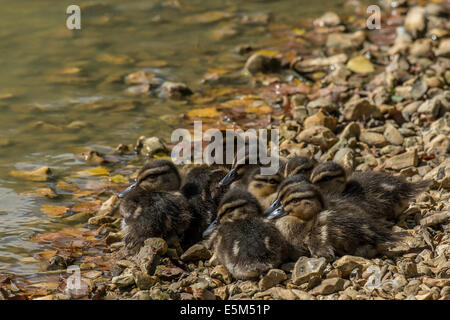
308, 270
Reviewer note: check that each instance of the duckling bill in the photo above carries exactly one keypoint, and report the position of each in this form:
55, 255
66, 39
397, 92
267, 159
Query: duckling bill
245, 243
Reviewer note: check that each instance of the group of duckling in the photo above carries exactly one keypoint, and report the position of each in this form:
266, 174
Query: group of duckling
255, 222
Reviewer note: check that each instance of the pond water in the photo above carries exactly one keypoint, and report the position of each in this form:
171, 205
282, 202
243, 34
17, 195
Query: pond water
52, 77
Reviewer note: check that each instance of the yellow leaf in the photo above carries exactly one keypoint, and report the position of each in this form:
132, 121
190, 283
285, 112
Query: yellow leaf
269, 53
47, 254
118, 179
298, 32
40, 174
264, 109
360, 64
208, 112
53, 211
97, 171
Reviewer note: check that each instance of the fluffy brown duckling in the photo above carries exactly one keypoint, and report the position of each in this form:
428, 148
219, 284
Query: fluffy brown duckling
151, 207
299, 165
243, 241
202, 190
264, 187
378, 193
309, 225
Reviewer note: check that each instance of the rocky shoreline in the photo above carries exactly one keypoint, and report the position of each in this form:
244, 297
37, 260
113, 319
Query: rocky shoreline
367, 99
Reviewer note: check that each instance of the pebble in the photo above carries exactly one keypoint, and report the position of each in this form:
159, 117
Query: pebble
272, 278
373, 139
358, 109
328, 286
195, 253
392, 135
401, 161
308, 270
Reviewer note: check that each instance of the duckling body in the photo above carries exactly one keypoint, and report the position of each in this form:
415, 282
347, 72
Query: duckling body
203, 193
377, 193
153, 214
245, 243
326, 229
151, 208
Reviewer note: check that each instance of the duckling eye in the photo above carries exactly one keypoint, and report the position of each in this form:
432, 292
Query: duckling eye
272, 181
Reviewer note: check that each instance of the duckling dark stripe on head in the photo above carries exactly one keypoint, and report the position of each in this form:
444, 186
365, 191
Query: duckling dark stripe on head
326, 176
299, 196
231, 206
153, 172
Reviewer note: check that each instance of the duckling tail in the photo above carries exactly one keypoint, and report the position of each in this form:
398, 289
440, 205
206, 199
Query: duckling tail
420, 186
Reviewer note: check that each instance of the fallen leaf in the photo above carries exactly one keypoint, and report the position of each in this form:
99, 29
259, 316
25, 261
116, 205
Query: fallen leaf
53, 211
208, 112
40, 174
97, 171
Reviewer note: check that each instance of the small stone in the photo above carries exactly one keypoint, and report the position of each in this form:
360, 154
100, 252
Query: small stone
347, 264
262, 63
444, 48
345, 157
158, 245
350, 131
346, 40
157, 294
221, 273
392, 135
195, 253
308, 270
318, 135
175, 90
143, 281
401, 161
436, 219
440, 175
430, 107
324, 104
439, 145
328, 286
203, 294
407, 268
328, 19
150, 146
272, 278
373, 139
357, 109
415, 22
124, 280
421, 48
320, 119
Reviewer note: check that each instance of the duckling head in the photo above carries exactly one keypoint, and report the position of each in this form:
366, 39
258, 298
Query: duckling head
236, 204
156, 175
263, 186
330, 177
299, 165
241, 166
297, 198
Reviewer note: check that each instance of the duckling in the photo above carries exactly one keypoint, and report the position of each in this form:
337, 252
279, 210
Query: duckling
264, 187
150, 207
203, 193
243, 241
299, 165
378, 193
309, 225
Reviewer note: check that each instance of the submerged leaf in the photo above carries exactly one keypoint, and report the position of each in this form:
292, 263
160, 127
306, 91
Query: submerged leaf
360, 64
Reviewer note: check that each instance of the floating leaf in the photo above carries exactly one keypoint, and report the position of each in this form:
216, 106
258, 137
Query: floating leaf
47, 254
40, 174
360, 64
40, 192
264, 109
269, 53
119, 179
97, 171
54, 211
208, 112
87, 206
298, 32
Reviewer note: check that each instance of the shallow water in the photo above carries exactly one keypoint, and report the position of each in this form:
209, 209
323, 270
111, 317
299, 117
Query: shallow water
58, 76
